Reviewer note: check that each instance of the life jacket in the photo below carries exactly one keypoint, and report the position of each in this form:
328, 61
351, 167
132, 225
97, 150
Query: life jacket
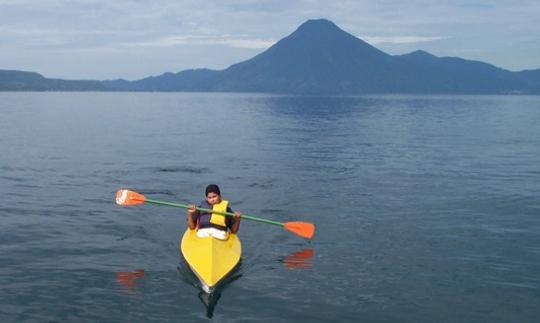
206, 219
219, 219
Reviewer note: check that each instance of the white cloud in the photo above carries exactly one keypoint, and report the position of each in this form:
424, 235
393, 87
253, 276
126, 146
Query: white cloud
230, 41
376, 40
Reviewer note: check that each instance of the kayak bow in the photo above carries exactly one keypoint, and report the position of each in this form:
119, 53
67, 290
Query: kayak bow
209, 258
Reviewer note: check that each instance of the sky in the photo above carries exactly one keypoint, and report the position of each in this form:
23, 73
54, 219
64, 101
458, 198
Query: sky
133, 39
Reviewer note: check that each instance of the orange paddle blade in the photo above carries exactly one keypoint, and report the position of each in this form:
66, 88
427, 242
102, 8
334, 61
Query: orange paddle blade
303, 229
126, 197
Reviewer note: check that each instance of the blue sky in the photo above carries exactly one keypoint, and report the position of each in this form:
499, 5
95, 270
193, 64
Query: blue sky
132, 39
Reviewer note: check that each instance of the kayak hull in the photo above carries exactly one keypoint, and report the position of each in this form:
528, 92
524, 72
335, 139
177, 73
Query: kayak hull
210, 259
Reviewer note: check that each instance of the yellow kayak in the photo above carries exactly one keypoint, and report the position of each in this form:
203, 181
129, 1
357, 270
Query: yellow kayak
209, 258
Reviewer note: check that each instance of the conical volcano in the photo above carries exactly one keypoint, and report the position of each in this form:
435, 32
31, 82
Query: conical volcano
317, 57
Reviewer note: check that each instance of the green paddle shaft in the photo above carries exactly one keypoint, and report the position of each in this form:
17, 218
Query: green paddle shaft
244, 216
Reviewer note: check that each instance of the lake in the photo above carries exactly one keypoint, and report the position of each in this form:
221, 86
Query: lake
427, 208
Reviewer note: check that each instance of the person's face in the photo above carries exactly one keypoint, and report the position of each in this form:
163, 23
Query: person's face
213, 198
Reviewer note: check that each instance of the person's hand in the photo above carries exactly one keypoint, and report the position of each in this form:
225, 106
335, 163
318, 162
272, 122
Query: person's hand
191, 208
237, 215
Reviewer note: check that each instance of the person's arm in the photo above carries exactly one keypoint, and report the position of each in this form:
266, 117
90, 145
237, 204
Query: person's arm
190, 214
236, 222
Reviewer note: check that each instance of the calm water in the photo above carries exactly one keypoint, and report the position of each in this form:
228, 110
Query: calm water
427, 208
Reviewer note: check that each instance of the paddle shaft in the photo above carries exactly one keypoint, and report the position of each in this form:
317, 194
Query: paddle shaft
243, 216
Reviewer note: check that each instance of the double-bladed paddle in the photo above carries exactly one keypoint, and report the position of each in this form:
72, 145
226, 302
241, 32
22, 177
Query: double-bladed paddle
302, 229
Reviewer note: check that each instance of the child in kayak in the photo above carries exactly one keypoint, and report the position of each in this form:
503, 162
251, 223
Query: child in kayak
212, 224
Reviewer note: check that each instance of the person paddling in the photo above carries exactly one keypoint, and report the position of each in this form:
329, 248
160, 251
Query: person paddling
213, 224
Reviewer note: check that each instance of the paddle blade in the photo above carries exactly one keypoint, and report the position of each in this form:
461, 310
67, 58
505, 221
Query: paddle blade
303, 229
126, 197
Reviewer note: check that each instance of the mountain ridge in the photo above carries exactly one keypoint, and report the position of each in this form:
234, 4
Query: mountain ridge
317, 58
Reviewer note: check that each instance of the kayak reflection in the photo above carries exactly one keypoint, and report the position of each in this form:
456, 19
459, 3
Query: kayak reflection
209, 300
299, 259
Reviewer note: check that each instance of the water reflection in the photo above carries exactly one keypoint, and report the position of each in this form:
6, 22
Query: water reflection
299, 259
129, 280
316, 107
209, 300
